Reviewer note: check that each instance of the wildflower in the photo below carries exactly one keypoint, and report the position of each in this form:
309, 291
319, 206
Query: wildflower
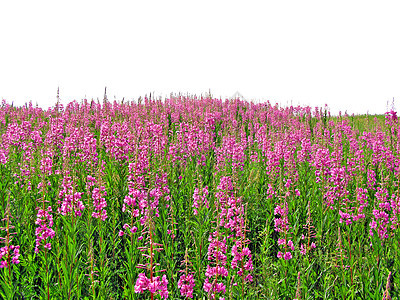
11, 250
186, 285
287, 256
156, 285
44, 231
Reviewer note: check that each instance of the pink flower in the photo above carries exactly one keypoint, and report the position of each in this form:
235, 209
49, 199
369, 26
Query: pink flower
156, 286
287, 256
302, 250
44, 231
186, 285
13, 251
207, 285
290, 244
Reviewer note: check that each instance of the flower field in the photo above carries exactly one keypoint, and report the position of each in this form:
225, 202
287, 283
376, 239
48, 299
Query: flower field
198, 198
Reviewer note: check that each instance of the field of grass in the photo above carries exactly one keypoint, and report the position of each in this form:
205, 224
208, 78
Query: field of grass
198, 198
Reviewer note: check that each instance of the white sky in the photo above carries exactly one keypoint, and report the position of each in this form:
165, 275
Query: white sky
343, 53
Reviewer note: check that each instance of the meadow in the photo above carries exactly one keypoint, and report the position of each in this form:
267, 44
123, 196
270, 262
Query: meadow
197, 198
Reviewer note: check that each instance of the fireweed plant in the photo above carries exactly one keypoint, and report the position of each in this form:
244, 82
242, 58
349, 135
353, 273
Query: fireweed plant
9, 253
197, 198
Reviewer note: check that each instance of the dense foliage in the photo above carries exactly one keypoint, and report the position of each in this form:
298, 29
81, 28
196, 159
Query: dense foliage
197, 198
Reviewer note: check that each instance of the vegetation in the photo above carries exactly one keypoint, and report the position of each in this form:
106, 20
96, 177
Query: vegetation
198, 198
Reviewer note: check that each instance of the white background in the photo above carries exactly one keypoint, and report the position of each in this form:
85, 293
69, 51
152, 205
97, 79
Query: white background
342, 53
